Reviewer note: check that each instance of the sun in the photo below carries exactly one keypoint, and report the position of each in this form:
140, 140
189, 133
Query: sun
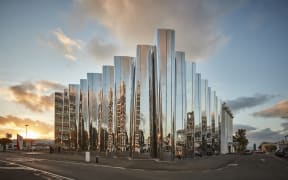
30, 135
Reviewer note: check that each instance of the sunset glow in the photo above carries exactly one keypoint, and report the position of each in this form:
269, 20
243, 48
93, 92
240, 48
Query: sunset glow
240, 47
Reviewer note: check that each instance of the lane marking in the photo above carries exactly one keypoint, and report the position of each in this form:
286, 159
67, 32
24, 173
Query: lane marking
12, 168
39, 170
87, 164
232, 165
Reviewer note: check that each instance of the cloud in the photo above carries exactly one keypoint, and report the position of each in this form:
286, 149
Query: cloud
266, 135
278, 110
15, 125
37, 96
248, 102
64, 44
101, 49
196, 22
243, 126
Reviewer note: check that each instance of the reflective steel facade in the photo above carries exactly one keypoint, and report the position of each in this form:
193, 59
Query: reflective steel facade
190, 107
106, 122
84, 116
166, 95
123, 94
74, 100
197, 114
151, 106
181, 102
209, 121
58, 113
213, 118
144, 135
94, 86
65, 120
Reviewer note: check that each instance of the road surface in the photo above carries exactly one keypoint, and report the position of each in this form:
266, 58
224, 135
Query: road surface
259, 166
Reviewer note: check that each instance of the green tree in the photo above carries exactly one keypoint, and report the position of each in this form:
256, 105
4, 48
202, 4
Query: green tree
4, 142
241, 140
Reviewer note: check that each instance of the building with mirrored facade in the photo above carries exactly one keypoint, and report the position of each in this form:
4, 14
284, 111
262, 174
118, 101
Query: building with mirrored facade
58, 124
84, 116
144, 134
106, 123
154, 105
181, 103
123, 99
94, 81
166, 92
74, 101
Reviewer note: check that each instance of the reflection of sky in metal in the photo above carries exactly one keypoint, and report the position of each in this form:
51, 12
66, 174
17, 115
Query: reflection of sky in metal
165, 46
180, 90
84, 113
143, 78
94, 81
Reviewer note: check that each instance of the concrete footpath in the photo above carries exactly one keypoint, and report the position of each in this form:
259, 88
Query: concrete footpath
204, 163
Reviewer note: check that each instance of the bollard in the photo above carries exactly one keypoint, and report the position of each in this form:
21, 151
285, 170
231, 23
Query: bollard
97, 159
87, 156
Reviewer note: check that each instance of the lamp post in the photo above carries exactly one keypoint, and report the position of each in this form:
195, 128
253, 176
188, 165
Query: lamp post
26, 125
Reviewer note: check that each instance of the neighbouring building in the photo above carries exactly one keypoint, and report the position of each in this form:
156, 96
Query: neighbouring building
226, 141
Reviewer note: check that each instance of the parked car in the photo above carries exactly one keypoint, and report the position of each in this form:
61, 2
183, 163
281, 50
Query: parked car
282, 153
248, 152
259, 152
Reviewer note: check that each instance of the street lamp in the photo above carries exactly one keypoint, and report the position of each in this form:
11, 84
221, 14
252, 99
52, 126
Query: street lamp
26, 125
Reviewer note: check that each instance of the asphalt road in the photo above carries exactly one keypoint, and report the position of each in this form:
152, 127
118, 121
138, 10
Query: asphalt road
260, 166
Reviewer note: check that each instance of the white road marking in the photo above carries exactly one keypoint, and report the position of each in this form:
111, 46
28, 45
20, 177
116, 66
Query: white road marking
86, 164
38, 170
232, 165
13, 168
262, 160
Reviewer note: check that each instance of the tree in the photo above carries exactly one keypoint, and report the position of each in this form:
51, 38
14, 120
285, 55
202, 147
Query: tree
241, 140
4, 142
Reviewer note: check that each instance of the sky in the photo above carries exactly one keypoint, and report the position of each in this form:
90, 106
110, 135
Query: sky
241, 47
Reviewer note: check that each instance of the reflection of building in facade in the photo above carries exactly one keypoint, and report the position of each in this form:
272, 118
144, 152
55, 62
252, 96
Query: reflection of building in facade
144, 138
99, 117
209, 121
197, 113
94, 86
213, 119
180, 142
58, 109
106, 122
65, 120
190, 106
153, 106
123, 93
166, 92
84, 116
226, 130
204, 112
181, 102
74, 100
